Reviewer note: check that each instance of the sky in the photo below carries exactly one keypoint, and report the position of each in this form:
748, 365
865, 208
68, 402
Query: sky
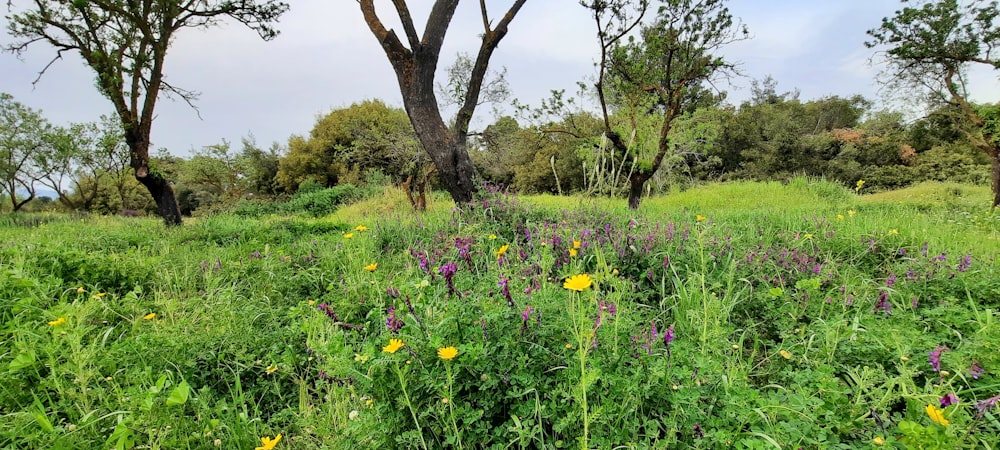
326, 58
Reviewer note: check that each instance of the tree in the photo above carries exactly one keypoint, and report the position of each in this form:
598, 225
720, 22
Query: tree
663, 70
364, 136
929, 47
23, 133
126, 43
415, 67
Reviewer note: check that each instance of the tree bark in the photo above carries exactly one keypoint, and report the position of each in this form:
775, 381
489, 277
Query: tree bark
155, 183
635, 184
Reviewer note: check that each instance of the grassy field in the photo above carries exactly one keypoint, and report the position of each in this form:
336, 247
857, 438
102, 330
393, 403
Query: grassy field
743, 315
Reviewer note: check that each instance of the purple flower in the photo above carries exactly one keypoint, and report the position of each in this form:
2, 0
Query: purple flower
974, 370
935, 357
448, 271
392, 292
482, 324
965, 263
883, 303
948, 400
889, 282
984, 406
668, 336
392, 323
525, 317
502, 284
697, 432
329, 311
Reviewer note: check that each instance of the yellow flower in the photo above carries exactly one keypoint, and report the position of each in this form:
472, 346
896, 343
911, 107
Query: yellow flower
493, 236
858, 186
851, 212
348, 235
394, 345
80, 290
360, 228
937, 415
58, 322
699, 217
502, 250
893, 232
878, 440
840, 217
572, 252
447, 353
100, 294
579, 282
371, 267
149, 316
271, 369
807, 236
268, 443
576, 244
311, 302
569, 346
785, 354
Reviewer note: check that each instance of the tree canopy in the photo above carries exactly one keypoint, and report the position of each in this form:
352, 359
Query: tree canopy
125, 43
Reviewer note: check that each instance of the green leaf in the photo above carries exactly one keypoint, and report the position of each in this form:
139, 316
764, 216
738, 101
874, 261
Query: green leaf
24, 359
179, 395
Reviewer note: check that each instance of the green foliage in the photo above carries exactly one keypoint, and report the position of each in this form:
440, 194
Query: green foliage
363, 136
249, 327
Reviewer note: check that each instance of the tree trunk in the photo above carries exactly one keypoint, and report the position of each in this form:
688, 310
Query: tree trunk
447, 148
635, 185
158, 187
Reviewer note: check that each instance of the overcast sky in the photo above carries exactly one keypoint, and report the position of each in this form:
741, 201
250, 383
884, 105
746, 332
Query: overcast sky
326, 58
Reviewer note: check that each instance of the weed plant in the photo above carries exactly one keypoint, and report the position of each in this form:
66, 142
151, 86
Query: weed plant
743, 315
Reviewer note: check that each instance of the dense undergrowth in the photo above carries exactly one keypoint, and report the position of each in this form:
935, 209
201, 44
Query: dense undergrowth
744, 315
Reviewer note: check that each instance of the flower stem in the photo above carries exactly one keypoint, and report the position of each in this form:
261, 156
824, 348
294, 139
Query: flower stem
409, 405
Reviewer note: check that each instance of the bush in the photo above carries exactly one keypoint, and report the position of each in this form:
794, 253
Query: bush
323, 202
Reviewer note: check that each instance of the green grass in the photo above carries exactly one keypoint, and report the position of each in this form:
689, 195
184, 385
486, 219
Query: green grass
802, 315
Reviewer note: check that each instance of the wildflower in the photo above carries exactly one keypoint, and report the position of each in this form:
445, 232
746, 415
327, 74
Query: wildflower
217, 442
858, 186
883, 303
937, 415
572, 252
697, 431
668, 336
353, 415
505, 290
891, 280
80, 290
100, 294
268, 442
271, 369
699, 217
444, 400
525, 317
360, 228
502, 250
878, 440
840, 217
785, 354
807, 236
394, 345
57, 322
965, 263
492, 237
329, 311
371, 267
149, 316
851, 213
447, 353
392, 323
974, 370
576, 244
935, 357
893, 232
348, 235
579, 282
984, 406
948, 400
